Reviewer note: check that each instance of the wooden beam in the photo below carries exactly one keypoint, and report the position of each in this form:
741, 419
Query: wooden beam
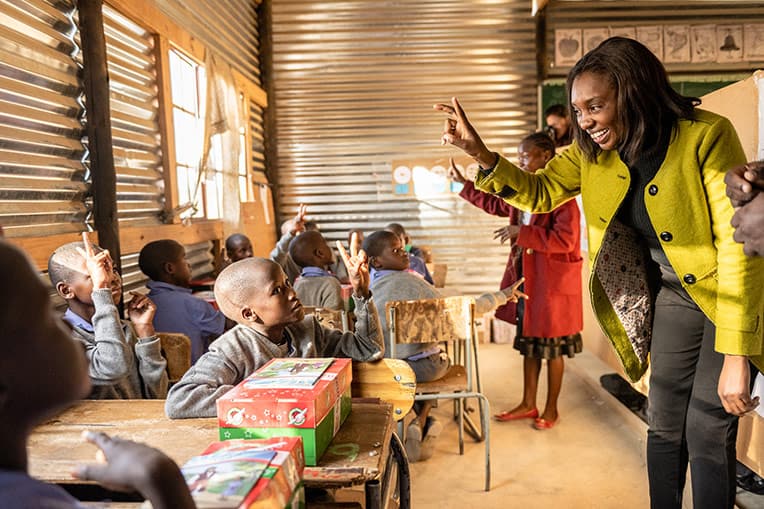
135, 237
97, 105
166, 127
253, 92
39, 249
145, 13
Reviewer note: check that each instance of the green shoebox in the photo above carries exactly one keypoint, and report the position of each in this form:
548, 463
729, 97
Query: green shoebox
314, 440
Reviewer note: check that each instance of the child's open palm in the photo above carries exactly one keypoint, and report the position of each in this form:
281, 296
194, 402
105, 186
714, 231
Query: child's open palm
357, 264
99, 265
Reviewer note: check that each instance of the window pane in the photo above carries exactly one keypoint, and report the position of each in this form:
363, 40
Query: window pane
243, 189
183, 82
188, 138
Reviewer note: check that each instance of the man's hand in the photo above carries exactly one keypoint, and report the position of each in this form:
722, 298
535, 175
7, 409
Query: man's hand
745, 182
141, 311
458, 132
124, 465
734, 385
358, 267
512, 292
454, 173
748, 222
99, 265
507, 233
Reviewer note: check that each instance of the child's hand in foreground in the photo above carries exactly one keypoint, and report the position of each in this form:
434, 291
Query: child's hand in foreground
124, 465
512, 292
358, 267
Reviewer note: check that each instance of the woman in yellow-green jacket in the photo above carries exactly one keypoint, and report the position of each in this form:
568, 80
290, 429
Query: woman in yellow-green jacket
668, 281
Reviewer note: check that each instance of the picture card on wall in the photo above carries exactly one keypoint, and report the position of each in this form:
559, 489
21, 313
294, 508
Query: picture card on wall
652, 37
567, 46
729, 43
753, 42
628, 32
703, 43
676, 44
593, 37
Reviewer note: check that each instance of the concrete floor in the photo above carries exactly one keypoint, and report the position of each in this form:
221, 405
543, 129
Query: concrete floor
593, 458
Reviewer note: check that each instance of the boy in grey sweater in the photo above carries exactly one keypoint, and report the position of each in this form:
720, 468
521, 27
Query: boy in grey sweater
271, 324
315, 286
125, 358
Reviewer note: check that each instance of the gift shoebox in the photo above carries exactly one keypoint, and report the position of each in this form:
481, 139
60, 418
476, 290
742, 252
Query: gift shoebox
248, 474
309, 398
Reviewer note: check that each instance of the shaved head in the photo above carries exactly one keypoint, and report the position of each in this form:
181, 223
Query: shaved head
238, 283
303, 249
66, 261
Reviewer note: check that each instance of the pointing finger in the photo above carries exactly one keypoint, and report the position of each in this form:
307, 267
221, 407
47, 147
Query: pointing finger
517, 284
459, 111
354, 244
88, 245
343, 254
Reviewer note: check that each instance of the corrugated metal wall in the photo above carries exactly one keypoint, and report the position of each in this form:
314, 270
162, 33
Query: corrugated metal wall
228, 27
42, 178
355, 82
131, 59
583, 14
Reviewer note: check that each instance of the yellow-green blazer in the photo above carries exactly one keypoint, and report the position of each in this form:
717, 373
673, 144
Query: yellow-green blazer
687, 200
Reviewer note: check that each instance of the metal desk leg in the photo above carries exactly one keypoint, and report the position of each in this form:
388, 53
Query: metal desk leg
404, 476
373, 494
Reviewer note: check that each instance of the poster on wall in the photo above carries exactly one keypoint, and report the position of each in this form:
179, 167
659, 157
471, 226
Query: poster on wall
593, 37
652, 37
403, 182
729, 43
567, 46
628, 32
676, 44
753, 42
703, 43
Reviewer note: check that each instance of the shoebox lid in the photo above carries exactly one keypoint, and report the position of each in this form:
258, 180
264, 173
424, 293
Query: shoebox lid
286, 393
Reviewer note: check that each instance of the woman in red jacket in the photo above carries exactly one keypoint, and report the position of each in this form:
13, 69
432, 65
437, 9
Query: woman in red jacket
546, 251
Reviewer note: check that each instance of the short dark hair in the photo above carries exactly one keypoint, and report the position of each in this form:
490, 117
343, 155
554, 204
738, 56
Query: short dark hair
541, 140
235, 238
376, 243
396, 228
302, 247
558, 110
155, 254
647, 107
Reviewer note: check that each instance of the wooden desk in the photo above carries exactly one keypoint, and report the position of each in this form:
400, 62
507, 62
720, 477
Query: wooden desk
359, 453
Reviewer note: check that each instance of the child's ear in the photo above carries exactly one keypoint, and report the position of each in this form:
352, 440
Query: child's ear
169, 268
249, 315
64, 290
373, 262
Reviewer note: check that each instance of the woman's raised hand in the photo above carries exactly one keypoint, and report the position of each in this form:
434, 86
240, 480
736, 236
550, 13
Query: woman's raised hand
458, 132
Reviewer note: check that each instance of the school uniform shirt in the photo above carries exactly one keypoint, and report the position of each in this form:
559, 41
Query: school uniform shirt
242, 350
318, 288
19, 491
179, 311
549, 246
120, 365
417, 265
687, 206
389, 285
280, 255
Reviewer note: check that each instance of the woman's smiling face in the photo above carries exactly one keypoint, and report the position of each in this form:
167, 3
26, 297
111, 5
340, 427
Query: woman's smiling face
594, 102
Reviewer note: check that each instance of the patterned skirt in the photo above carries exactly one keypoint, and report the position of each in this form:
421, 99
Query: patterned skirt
549, 348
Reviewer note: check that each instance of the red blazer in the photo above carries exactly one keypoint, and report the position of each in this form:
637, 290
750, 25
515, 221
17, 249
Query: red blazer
550, 247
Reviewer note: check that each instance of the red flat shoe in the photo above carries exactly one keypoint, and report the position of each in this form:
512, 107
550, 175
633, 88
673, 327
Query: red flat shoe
542, 424
509, 416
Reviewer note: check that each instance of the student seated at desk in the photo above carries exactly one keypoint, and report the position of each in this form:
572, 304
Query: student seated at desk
392, 280
125, 358
256, 293
237, 247
42, 371
416, 262
177, 310
315, 286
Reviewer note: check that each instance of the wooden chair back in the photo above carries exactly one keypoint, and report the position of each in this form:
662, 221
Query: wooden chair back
332, 318
391, 380
176, 348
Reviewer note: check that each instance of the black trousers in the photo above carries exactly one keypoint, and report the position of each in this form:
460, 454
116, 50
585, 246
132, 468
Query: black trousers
686, 419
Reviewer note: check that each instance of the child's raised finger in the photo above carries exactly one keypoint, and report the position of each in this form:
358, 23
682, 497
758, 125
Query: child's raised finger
354, 244
517, 284
88, 245
343, 254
